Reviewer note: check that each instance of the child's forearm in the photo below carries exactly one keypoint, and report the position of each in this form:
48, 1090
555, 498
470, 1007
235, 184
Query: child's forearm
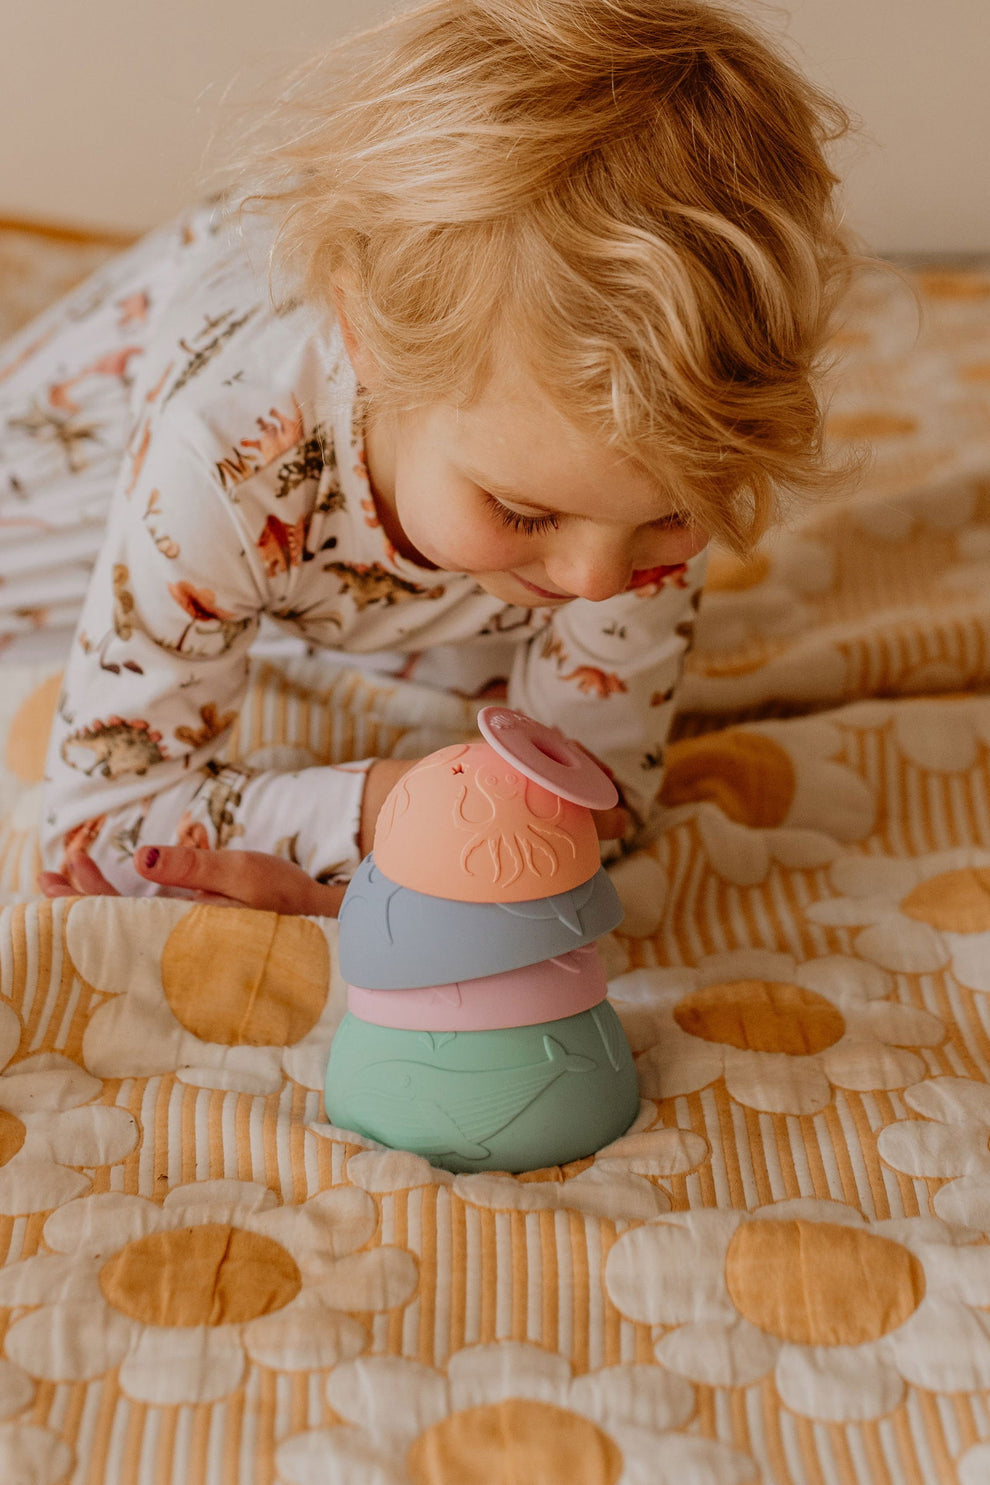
312, 818
335, 809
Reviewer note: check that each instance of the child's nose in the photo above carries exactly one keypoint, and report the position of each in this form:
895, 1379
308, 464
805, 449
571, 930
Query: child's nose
596, 565
589, 568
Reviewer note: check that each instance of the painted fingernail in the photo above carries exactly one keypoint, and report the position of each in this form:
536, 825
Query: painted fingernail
149, 857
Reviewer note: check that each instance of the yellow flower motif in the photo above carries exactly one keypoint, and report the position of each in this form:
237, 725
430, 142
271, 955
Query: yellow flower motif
29, 1455
856, 1309
16, 1390
942, 734
380, 1170
33, 1455
763, 597
615, 1184
806, 668
943, 502
974, 1465
782, 1033
274, 997
967, 577
765, 793
49, 1129
916, 915
180, 1297
951, 1141
503, 1413
642, 885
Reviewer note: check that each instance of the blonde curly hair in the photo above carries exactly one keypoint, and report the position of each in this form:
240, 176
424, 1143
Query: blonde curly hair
633, 195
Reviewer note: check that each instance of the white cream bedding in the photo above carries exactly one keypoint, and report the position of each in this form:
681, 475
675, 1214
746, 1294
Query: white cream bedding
781, 1275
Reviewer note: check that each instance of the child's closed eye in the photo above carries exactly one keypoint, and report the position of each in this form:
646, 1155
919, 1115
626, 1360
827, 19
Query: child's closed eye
516, 521
675, 520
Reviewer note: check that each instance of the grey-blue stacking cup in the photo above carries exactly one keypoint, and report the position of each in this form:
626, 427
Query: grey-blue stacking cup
392, 938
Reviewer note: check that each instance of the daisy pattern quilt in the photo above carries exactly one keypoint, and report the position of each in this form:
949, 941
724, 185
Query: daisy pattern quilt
780, 1275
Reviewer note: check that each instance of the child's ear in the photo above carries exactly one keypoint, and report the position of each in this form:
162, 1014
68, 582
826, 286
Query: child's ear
363, 362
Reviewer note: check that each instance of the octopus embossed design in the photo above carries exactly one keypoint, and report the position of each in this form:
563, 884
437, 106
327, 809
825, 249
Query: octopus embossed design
493, 824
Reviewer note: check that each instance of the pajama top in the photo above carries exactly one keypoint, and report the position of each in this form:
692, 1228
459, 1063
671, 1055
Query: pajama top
242, 493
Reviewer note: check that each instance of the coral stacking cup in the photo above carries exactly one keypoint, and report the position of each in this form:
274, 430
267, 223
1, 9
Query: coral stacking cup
478, 1033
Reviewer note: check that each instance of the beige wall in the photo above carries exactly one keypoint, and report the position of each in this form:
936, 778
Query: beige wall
916, 73
105, 106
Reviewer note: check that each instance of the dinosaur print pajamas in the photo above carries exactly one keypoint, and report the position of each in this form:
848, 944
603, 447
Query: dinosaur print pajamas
182, 477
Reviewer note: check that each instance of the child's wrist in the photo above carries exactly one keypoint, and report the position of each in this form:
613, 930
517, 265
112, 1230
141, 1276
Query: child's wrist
381, 777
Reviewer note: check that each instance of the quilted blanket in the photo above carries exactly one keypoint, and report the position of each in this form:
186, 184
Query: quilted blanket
779, 1276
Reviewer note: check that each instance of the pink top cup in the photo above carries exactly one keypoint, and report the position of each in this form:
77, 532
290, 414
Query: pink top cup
547, 991
467, 825
547, 757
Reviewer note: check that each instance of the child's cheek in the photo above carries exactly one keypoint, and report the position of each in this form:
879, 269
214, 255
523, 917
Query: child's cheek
680, 545
480, 546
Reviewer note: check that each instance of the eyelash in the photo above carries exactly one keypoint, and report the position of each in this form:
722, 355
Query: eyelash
530, 525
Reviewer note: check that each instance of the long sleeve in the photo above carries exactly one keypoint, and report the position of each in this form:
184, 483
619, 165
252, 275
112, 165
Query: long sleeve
243, 492
607, 674
159, 665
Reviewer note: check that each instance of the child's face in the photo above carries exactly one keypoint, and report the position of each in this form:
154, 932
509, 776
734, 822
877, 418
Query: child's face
511, 492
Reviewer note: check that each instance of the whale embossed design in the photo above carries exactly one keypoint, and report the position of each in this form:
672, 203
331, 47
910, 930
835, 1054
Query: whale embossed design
449, 1112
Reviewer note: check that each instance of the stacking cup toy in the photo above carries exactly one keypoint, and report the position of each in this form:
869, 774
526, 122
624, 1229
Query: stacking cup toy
392, 937
478, 1033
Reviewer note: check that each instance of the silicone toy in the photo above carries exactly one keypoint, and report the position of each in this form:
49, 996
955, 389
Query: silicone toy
547, 757
477, 1032
494, 833
393, 938
563, 986
516, 1099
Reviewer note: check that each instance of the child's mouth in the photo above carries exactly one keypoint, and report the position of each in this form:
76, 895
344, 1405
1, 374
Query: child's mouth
543, 592
645, 577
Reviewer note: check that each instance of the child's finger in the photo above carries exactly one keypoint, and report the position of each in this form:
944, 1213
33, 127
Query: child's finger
228, 875
53, 884
249, 878
612, 824
86, 877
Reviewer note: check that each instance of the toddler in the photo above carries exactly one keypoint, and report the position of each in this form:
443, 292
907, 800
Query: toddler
524, 304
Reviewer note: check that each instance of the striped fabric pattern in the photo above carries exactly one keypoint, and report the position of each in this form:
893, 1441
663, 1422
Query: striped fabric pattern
780, 1275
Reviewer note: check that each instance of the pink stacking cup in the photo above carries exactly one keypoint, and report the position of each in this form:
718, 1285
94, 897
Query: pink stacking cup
547, 991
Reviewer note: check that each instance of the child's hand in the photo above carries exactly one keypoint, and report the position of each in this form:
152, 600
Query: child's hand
237, 878
253, 878
612, 824
383, 774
